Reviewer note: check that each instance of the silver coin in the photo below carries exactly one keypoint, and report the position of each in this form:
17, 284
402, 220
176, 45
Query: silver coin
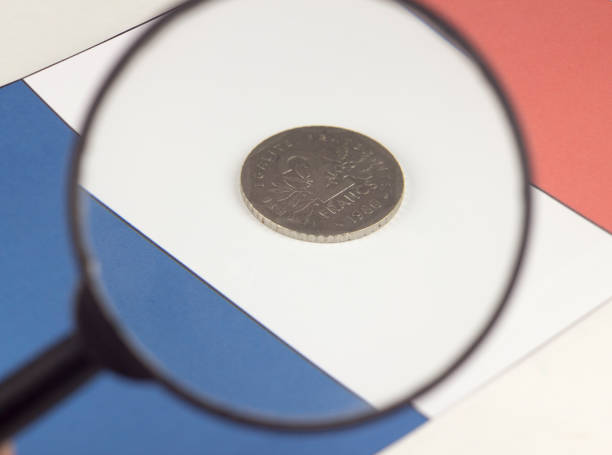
322, 184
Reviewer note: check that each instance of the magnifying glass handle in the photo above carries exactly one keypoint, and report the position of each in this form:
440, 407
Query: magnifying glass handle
44, 381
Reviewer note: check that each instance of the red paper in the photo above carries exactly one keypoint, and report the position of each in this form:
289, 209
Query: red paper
555, 61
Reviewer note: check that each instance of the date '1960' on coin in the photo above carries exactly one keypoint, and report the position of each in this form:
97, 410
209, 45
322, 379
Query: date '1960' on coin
322, 184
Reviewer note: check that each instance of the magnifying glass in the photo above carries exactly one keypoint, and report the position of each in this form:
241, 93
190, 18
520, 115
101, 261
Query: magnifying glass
346, 178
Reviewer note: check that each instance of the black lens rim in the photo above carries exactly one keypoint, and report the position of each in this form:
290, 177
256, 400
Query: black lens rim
448, 31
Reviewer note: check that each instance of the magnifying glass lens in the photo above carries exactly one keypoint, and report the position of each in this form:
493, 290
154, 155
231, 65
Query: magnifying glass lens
301, 211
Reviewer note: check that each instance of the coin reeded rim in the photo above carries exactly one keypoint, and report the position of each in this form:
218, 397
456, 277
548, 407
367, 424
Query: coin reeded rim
351, 235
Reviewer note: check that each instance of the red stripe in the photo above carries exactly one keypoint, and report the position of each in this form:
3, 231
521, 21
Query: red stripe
555, 59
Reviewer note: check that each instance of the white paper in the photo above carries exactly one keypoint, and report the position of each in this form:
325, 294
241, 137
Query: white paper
565, 275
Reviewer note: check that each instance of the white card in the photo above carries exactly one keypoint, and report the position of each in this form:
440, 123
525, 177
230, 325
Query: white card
565, 274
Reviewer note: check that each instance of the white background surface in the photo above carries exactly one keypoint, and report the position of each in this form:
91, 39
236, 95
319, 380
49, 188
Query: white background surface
38, 33
557, 401
566, 273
